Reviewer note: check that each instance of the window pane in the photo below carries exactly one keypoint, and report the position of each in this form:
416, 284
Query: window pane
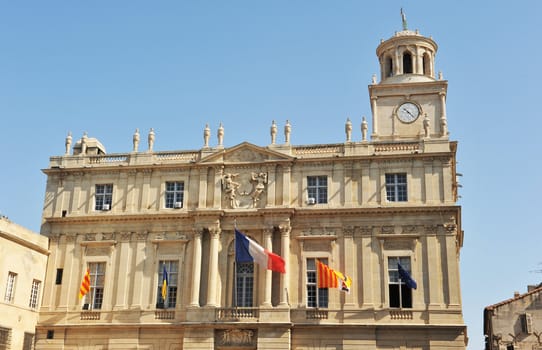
97, 281
10, 287
174, 193
317, 188
399, 293
172, 268
316, 297
244, 284
104, 195
396, 187
34, 292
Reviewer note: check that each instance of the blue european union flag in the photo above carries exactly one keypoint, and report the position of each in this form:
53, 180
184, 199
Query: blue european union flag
405, 277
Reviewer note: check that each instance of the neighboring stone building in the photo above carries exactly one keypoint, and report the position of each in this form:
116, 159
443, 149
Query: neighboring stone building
23, 260
359, 205
516, 323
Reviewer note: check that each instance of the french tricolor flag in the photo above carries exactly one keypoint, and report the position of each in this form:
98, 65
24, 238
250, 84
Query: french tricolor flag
246, 250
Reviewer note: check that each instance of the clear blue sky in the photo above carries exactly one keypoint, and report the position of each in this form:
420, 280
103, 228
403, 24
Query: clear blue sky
108, 67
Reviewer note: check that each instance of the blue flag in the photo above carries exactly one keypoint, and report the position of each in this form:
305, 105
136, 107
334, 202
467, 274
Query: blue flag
405, 277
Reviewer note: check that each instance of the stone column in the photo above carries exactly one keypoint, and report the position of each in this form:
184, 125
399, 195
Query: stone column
286, 181
202, 190
271, 185
285, 250
446, 182
375, 113
434, 270
139, 275
419, 61
74, 270
213, 266
268, 244
443, 121
349, 263
347, 180
452, 267
123, 252
196, 269
146, 189
78, 187
217, 198
369, 287
428, 182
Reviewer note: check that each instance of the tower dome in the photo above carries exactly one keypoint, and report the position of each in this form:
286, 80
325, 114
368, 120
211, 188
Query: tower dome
407, 57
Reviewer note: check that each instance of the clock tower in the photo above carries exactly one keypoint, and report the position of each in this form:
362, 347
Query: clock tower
409, 102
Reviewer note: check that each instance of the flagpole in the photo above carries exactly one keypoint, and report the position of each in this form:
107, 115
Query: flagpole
234, 264
400, 287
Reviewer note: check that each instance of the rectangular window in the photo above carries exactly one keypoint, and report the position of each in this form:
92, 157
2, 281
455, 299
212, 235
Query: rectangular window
34, 293
400, 294
10, 287
172, 270
104, 197
316, 297
5, 338
396, 187
174, 194
59, 273
317, 189
244, 284
97, 281
28, 342
526, 322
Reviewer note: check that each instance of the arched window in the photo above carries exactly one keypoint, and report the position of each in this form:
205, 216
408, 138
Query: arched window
388, 67
426, 64
407, 63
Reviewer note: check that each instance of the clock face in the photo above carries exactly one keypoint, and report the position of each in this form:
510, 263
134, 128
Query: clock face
408, 112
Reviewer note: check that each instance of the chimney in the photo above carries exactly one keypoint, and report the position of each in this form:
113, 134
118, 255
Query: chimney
532, 287
516, 294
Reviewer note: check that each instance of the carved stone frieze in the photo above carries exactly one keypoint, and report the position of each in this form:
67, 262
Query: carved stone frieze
431, 229
142, 236
451, 225
365, 230
387, 230
244, 190
318, 232
125, 236
236, 337
97, 251
398, 244
409, 229
316, 246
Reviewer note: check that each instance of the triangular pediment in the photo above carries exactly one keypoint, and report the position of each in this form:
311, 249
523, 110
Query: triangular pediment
246, 153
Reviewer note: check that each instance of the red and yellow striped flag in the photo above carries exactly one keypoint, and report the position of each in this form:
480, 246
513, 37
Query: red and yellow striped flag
85, 285
329, 278
326, 276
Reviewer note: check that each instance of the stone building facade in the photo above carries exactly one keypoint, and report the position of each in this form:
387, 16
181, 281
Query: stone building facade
361, 206
23, 259
515, 323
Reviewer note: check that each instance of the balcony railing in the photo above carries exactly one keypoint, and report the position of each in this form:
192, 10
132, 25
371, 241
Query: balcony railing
236, 313
401, 315
164, 315
90, 315
317, 314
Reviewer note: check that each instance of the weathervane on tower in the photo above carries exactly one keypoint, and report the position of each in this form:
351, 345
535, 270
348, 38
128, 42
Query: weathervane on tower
403, 18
